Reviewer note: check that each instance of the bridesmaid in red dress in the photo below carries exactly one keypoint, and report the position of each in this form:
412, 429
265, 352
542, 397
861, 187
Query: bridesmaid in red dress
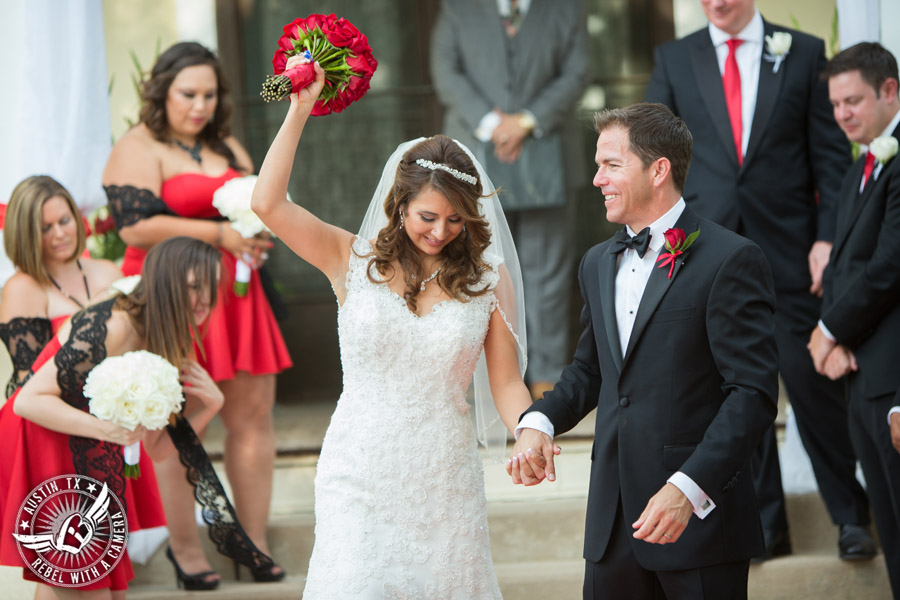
47, 430
44, 237
160, 180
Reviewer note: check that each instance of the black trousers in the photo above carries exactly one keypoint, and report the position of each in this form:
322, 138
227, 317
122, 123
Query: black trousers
820, 406
619, 576
880, 462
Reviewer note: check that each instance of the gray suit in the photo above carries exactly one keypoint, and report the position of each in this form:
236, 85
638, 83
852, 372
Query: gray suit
476, 67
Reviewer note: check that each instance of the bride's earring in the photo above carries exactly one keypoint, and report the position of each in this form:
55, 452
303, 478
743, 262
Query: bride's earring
400, 212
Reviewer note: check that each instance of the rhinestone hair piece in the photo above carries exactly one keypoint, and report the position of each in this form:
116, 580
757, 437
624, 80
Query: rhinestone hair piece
458, 174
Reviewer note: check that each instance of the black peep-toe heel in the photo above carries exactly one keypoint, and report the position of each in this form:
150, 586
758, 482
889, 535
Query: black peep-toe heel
193, 581
262, 574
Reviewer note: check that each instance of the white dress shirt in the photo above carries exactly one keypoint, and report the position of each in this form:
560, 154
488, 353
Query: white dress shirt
631, 279
748, 56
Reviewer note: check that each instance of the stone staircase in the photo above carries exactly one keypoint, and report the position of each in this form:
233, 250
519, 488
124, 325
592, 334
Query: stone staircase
536, 535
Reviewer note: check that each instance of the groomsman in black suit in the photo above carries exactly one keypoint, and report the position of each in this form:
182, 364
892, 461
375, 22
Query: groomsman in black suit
678, 357
768, 163
859, 331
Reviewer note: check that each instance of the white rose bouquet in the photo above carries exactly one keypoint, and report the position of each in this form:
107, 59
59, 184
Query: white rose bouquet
136, 388
232, 200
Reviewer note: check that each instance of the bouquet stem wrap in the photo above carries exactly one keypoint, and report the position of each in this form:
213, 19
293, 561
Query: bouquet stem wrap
241, 276
132, 454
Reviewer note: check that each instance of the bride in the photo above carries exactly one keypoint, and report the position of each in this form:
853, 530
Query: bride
429, 293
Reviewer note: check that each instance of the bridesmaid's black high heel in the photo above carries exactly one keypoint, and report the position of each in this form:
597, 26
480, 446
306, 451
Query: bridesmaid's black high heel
262, 574
193, 581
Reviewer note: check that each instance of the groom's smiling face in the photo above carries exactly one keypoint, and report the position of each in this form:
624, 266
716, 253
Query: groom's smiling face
623, 179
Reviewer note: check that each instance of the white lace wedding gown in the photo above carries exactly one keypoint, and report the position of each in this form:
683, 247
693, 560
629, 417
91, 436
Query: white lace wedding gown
400, 504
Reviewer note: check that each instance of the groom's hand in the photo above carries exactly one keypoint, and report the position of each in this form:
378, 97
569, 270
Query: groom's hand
665, 517
532, 458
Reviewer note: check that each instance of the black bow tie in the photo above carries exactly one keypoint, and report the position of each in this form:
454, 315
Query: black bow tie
638, 243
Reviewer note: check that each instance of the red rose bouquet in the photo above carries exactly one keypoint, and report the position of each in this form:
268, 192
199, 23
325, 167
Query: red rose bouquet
339, 47
103, 240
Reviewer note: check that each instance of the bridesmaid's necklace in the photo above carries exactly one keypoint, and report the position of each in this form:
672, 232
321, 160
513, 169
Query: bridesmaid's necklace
194, 150
432, 276
87, 290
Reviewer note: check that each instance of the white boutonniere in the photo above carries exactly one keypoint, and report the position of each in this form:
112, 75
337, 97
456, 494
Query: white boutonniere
883, 148
778, 46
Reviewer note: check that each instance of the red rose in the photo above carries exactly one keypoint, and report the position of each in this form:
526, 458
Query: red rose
361, 65
342, 33
675, 237
102, 226
278, 62
321, 22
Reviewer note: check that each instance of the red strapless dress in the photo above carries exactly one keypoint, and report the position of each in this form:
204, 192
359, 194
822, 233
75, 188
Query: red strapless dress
241, 334
31, 454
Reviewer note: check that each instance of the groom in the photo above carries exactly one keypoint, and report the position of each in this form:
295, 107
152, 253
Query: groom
678, 356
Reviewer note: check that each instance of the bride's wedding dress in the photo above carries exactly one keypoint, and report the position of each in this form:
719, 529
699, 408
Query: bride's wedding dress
399, 490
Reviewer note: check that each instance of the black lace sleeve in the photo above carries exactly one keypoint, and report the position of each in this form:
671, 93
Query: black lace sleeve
103, 461
128, 204
24, 338
86, 348
224, 529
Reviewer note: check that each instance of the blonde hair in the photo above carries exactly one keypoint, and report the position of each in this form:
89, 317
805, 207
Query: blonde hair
24, 223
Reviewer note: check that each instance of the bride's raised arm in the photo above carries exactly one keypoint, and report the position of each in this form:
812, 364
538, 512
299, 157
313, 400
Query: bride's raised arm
321, 244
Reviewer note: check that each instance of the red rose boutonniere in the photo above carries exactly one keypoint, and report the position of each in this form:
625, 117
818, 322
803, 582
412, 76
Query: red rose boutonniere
676, 244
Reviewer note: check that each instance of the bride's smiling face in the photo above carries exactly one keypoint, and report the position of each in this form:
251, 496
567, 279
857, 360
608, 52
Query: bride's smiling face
431, 222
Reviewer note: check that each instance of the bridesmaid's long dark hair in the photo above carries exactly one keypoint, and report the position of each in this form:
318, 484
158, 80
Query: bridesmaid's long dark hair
155, 90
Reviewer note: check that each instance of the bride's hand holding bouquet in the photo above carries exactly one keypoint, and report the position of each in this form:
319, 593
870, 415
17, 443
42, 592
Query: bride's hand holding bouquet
305, 99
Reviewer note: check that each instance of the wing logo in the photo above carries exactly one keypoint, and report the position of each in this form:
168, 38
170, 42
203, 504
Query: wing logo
72, 530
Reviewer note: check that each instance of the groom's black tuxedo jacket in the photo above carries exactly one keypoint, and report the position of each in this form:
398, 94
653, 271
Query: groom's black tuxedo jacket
694, 392
795, 149
861, 306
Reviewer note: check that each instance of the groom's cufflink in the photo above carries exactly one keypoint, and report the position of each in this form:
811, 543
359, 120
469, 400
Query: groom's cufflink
706, 504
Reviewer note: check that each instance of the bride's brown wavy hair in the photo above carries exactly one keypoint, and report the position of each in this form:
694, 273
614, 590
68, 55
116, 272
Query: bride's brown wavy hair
464, 264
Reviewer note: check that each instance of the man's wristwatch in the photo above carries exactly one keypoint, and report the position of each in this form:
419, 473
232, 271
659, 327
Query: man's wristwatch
527, 122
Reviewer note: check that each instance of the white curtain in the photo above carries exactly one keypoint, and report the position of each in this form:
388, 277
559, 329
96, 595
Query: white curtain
858, 21
54, 109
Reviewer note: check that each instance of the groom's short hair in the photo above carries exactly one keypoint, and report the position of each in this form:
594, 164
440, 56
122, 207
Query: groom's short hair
654, 132
874, 62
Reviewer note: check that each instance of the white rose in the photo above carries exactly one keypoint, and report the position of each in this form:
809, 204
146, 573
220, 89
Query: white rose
126, 285
247, 224
155, 411
884, 148
778, 43
104, 407
129, 415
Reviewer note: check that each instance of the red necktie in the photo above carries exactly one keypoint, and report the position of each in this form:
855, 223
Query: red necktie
731, 81
870, 166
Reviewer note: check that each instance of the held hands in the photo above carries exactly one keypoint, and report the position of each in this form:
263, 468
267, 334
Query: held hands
307, 96
895, 431
198, 384
839, 362
829, 359
665, 517
819, 255
508, 137
819, 347
110, 432
532, 458
256, 247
